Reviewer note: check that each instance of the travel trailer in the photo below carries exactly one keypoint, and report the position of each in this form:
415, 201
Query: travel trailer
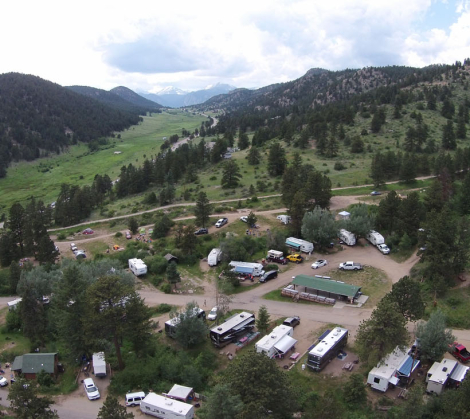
215, 256
99, 364
163, 407
137, 266
347, 237
299, 245
277, 343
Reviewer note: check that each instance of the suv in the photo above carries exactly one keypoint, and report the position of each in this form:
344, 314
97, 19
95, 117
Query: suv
213, 313
201, 231
92, 391
295, 258
268, 275
221, 222
291, 321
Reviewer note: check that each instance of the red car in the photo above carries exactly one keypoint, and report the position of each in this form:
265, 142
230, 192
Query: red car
88, 231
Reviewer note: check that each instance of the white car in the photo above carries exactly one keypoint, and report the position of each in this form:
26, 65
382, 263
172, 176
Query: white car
319, 263
92, 391
73, 247
213, 313
3, 381
383, 248
244, 218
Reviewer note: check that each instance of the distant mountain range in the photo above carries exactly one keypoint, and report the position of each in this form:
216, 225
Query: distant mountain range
176, 98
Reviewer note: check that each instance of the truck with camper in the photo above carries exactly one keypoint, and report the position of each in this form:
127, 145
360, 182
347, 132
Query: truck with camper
276, 256
215, 256
347, 237
350, 266
137, 266
375, 238
328, 348
164, 407
99, 364
284, 219
277, 343
229, 331
299, 245
247, 268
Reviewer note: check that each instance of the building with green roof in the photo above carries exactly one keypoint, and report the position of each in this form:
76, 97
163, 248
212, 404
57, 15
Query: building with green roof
31, 364
326, 287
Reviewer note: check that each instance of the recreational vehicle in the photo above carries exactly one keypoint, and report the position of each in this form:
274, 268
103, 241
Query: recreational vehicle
162, 407
137, 266
299, 245
347, 237
277, 343
284, 219
375, 238
215, 256
13, 304
447, 373
172, 324
99, 364
328, 347
255, 269
233, 327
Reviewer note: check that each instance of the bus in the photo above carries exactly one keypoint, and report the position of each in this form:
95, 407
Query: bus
234, 326
328, 347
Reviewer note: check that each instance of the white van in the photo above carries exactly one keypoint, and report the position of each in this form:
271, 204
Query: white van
134, 399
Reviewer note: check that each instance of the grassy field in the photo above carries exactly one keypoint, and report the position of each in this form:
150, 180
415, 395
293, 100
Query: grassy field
42, 178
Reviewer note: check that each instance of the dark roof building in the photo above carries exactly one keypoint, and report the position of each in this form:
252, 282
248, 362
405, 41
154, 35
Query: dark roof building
31, 364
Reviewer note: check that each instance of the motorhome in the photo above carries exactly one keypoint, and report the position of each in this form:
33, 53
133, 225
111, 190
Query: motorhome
299, 245
99, 364
215, 256
233, 327
375, 238
284, 219
255, 269
163, 407
137, 266
347, 237
172, 324
328, 347
277, 343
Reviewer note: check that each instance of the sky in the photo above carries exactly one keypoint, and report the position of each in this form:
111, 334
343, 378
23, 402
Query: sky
148, 45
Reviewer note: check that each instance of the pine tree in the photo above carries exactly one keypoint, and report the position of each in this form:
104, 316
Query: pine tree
461, 131
15, 275
133, 225
262, 322
276, 160
377, 170
243, 141
448, 136
111, 409
254, 156
332, 147
231, 174
203, 209
172, 274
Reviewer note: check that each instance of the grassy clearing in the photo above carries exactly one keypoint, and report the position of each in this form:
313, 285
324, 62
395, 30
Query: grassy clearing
78, 166
455, 305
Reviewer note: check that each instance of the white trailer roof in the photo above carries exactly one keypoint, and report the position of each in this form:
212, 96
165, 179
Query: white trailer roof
443, 370
138, 263
236, 321
99, 359
328, 341
298, 241
168, 404
180, 392
285, 344
278, 333
234, 263
14, 302
390, 364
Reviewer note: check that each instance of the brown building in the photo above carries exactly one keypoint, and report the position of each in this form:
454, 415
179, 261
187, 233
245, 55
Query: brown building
31, 364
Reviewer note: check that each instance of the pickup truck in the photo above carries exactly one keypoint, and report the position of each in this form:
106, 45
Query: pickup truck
350, 266
460, 352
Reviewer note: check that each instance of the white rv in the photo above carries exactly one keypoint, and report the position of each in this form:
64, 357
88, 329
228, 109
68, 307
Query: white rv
13, 304
215, 256
284, 219
99, 364
163, 407
255, 269
375, 238
277, 343
137, 266
444, 373
299, 245
397, 365
347, 237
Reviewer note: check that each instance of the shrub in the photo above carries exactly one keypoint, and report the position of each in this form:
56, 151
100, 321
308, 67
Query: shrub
166, 288
163, 308
271, 267
61, 236
339, 166
118, 234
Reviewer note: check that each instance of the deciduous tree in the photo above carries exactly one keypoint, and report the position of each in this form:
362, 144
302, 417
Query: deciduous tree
319, 226
222, 403
434, 337
191, 330
406, 294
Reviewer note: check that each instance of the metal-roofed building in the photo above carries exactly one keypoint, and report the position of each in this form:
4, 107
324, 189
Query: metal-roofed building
31, 364
328, 287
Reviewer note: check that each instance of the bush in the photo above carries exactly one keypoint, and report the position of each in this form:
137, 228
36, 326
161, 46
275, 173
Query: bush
112, 224
44, 379
13, 320
61, 236
166, 288
339, 166
163, 308
118, 234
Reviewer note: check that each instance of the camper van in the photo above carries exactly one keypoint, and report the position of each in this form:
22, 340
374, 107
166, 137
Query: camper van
137, 266
163, 407
215, 256
375, 238
347, 237
299, 245
284, 219
255, 269
99, 364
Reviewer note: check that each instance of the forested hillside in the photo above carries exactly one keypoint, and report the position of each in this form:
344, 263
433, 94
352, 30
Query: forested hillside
38, 117
137, 100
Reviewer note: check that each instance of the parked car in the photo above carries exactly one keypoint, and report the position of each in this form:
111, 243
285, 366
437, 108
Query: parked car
268, 275
291, 321
375, 193
88, 231
128, 235
213, 313
319, 263
295, 258
244, 218
73, 247
92, 391
3, 381
383, 248
221, 222
201, 231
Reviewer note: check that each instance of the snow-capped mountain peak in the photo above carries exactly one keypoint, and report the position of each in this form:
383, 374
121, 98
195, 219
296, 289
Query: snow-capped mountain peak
171, 90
